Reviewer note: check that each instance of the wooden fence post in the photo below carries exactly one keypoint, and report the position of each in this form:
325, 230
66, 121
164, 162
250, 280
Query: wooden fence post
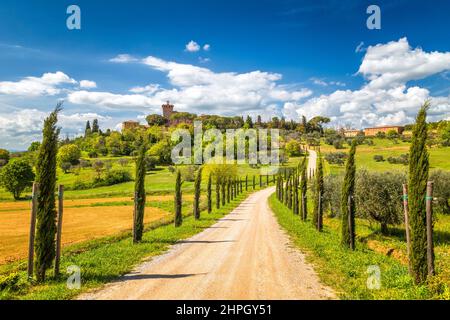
34, 196
406, 214
59, 228
430, 246
350, 224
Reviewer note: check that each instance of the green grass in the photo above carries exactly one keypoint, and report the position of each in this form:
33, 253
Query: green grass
346, 271
103, 260
364, 156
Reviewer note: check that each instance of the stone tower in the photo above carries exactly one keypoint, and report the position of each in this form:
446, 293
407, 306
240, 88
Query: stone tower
167, 110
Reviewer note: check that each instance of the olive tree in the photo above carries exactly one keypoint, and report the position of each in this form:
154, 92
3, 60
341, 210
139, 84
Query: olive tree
16, 176
379, 197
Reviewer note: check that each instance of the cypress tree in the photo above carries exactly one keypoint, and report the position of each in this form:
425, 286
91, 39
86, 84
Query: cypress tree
240, 185
217, 192
46, 209
197, 190
304, 190
139, 192
254, 182
87, 130
348, 190
228, 190
418, 177
260, 181
178, 200
318, 196
246, 183
209, 193
95, 127
295, 204
223, 188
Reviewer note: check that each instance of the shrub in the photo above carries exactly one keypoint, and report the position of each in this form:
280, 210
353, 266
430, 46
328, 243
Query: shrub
332, 194
93, 154
402, 159
65, 166
379, 197
336, 158
378, 158
122, 162
338, 144
151, 162
441, 190
117, 176
85, 163
16, 176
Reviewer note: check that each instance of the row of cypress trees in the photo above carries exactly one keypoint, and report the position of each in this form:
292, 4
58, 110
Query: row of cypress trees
287, 193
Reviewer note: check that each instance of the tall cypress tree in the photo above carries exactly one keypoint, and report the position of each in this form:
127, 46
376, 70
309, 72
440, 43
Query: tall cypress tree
223, 188
295, 203
418, 177
197, 189
318, 196
304, 190
95, 127
254, 182
178, 200
87, 130
246, 183
228, 190
348, 190
46, 209
139, 191
218, 192
209, 193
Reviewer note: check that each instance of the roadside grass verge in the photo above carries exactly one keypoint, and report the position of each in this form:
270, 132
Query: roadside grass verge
103, 260
348, 272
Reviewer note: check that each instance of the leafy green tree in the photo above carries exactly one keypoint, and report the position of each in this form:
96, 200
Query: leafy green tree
348, 190
378, 197
16, 176
209, 193
34, 146
178, 200
163, 151
444, 133
197, 189
441, 190
156, 120
139, 191
46, 209
249, 122
4, 155
69, 153
293, 148
418, 177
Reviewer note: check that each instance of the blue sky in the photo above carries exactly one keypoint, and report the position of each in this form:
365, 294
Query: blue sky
265, 57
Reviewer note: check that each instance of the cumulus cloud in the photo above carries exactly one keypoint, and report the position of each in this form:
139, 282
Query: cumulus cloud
87, 84
48, 84
385, 98
21, 127
192, 46
200, 90
207, 47
123, 58
395, 63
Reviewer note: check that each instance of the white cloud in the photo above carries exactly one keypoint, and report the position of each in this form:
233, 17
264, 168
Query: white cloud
123, 58
192, 46
21, 127
207, 47
87, 84
198, 89
386, 98
203, 60
149, 89
323, 83
395, 63
48, 84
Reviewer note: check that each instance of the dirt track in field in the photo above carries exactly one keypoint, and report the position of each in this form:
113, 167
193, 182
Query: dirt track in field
244, 256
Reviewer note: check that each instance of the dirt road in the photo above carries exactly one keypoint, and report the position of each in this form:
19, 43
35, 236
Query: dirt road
312, 160
244, 256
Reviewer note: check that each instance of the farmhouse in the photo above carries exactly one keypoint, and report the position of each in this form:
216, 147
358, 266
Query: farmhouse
370, 132
351, 133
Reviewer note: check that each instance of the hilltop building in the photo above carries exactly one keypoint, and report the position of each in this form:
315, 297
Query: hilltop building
370, 132
173, 118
